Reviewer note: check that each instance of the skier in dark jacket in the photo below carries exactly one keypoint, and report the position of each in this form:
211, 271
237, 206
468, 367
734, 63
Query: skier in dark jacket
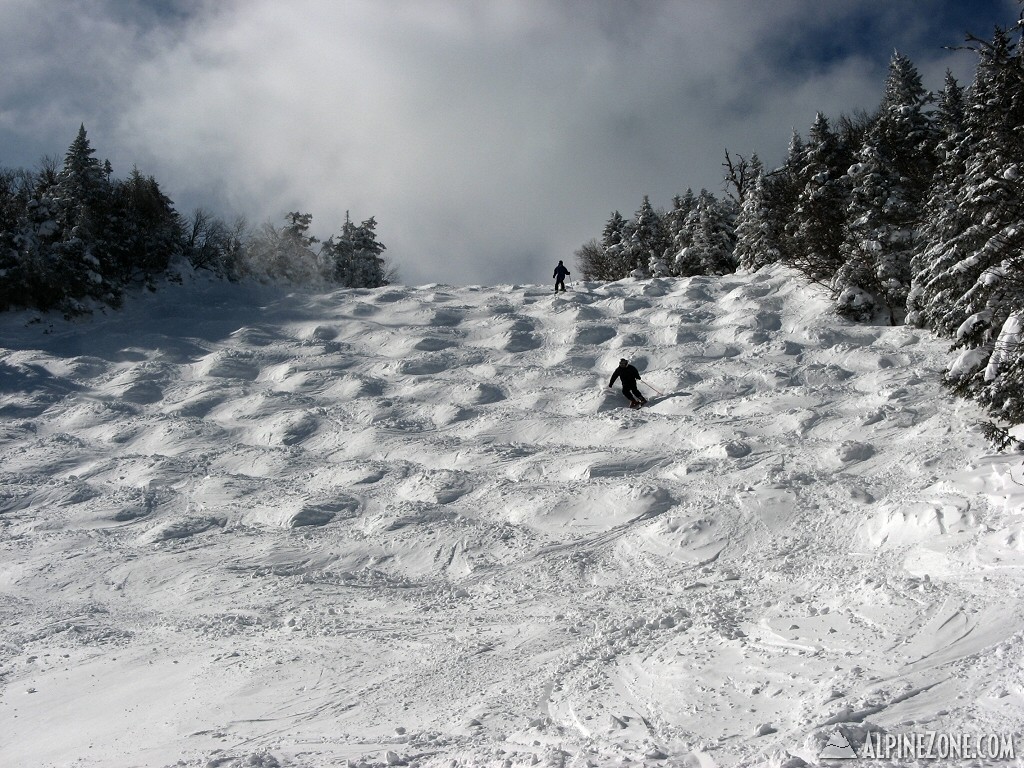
629, 376
560, 274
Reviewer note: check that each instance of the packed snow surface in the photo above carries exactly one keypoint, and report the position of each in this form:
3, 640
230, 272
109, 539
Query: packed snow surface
413, 525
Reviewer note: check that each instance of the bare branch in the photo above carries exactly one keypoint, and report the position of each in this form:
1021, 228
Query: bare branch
738, 176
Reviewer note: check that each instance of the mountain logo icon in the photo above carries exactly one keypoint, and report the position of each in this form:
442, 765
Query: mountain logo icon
838, 747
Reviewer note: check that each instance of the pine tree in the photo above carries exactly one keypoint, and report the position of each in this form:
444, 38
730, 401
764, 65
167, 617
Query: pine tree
941, 221
679, 227
756, 246
660, 239
979, 266
81, 198
782, 193
611, 264
714, 239
33, 276
687, 260
815, 231
709, 230
146, 232
647, 242
999, 385
613, 231
14, 199
353, 257
83, 181
887, 184
975, 281
368, 264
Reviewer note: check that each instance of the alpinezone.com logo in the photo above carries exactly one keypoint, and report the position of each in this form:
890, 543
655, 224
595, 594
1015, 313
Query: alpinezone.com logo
927, 745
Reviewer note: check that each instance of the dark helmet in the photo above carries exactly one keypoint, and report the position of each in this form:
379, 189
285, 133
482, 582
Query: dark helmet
623, 361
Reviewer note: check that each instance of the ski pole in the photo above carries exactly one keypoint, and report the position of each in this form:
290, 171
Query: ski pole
662, 394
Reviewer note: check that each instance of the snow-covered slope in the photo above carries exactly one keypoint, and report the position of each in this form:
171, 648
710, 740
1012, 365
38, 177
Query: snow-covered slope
302, 529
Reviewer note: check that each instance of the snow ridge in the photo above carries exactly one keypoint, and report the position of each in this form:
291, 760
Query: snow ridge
412, 525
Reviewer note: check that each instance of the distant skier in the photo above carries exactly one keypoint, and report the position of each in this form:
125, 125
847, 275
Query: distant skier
629, 376
560, 274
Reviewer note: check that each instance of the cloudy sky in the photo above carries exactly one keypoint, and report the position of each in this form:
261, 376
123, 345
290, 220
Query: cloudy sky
489, 138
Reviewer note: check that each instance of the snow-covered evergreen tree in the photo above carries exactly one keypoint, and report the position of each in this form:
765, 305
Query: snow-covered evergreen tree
659, 261
714, 237
781, 191
14, 196
686, 261
78, 234
70, 233
709, 230
931, 290
613, 231
815, 230
145, 230
616, 234
647, 242
999, 383
680, 227
353, 257
985, 277
981, 227
756, 245
81, 202
886, 186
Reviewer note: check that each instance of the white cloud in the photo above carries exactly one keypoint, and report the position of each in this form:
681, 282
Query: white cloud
488, 138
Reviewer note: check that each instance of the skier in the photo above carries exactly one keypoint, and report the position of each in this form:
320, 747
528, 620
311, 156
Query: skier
560, 274
629, 376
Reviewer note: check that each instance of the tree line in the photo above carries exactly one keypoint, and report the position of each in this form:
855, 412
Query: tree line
71, 234
911, 214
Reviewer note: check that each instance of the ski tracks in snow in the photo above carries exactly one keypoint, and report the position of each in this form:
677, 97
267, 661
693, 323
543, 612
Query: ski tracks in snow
414, 524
